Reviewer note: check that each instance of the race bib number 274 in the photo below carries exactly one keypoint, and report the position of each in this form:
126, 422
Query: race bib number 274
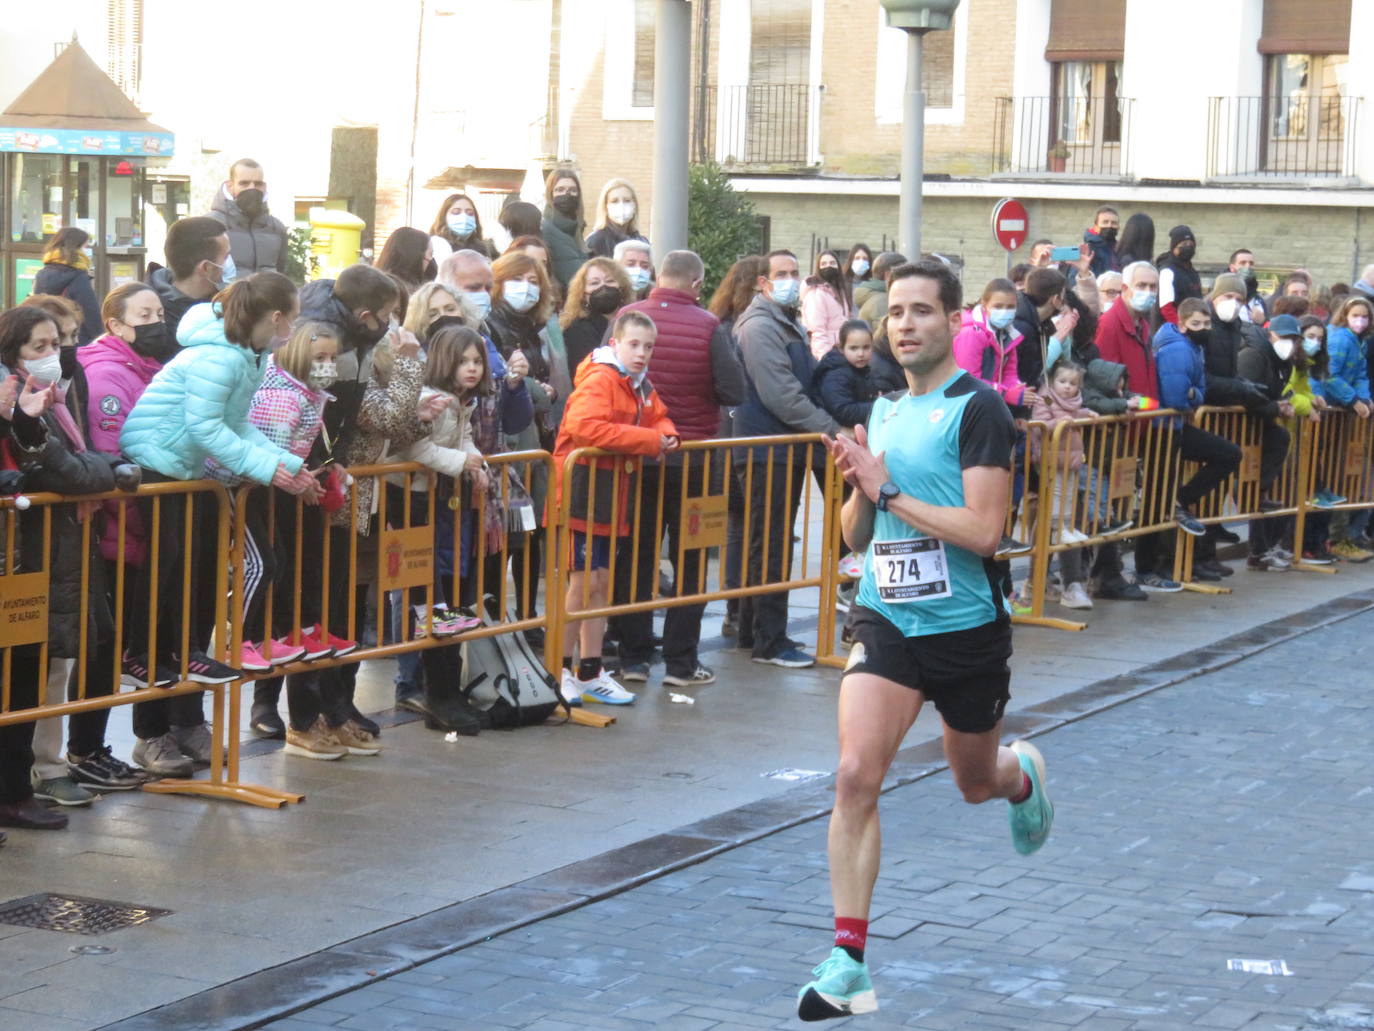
910, 570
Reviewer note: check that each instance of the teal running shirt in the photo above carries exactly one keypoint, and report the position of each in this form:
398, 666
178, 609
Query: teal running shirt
919, 584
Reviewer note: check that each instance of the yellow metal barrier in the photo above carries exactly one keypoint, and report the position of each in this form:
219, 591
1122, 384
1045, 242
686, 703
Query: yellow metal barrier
26, 592
772, 470
1125, 486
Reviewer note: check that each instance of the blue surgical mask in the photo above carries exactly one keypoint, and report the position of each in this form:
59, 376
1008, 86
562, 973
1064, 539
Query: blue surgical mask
785, 292
520, 296
859, 266
1142, 300
1000, 318
461, 226
639, 278
1311, 345
481, 300
227, 272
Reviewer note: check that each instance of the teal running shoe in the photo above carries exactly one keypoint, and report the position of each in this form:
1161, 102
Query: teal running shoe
1032, 819
842, 988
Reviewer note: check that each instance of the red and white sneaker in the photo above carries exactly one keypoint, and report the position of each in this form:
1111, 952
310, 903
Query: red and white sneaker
251, 660
339, 645
283, 651
316, 647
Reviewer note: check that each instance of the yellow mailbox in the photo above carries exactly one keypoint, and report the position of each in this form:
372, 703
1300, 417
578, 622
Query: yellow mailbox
335, 240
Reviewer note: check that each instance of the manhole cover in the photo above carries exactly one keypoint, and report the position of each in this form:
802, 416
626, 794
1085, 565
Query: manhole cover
71, 913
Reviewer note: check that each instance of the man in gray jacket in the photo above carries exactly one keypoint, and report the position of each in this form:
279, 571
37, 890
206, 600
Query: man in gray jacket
257, 238
778, 365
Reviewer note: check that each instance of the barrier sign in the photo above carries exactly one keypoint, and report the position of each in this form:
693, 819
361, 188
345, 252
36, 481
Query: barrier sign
24, 608
406, 558
703, 522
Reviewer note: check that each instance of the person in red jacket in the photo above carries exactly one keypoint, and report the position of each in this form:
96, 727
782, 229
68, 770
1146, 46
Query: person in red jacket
1124, 334
613, 407
696, 373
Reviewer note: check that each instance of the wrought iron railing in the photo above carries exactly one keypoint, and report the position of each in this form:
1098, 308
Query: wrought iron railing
757, 125
1276, 137
1069, 135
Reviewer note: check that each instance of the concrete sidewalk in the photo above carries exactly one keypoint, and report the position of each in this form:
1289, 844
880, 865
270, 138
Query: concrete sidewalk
429, 823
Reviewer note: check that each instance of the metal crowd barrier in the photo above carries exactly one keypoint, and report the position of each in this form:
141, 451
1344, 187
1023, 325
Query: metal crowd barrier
766, 559
1130, 473
26, 597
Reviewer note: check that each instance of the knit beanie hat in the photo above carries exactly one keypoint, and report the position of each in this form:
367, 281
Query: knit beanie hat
1178, 234
1227, 283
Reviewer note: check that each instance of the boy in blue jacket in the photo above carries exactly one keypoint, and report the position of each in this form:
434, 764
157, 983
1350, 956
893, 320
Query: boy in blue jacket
1182, 369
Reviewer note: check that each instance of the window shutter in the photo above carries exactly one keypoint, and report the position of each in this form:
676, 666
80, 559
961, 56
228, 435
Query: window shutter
1305, 27
1087, 30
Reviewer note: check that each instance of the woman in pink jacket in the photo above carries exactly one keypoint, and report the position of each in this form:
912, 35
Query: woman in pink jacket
986, 346
825, 304
119, 366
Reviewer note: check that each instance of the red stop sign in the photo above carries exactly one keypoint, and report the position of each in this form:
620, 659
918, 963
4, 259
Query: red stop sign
1010, 223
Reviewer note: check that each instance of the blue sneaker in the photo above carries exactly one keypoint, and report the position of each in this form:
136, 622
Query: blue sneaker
791, 658
1032, 819
842, 988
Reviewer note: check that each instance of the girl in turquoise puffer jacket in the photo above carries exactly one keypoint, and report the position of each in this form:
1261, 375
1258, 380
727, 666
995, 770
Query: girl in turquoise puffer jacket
196, 409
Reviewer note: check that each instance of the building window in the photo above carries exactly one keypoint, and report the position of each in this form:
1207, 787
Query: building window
1304, 93
779, 41
942, 65
1087, 104
643, 93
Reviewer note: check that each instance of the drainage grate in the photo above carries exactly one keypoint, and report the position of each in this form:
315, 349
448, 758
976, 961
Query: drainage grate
76, 915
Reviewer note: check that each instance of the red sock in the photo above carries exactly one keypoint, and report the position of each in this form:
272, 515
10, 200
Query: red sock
851, 934
1026, 788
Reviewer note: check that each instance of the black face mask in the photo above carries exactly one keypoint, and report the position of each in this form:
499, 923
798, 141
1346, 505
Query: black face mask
366, 335
1198, 336
1108, 234
1186, 252
568, 204
155, 341
67, 356
604, 300
831, 276
251, 202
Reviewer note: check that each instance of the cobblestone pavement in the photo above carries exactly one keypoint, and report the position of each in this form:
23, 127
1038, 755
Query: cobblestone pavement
1225, 818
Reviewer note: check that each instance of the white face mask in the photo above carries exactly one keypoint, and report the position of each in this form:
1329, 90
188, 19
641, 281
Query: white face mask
47, 369
1283, 347
620, 212
1227, 308
520, 295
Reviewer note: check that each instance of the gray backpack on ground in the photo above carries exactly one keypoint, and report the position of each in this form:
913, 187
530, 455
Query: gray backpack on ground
503, 678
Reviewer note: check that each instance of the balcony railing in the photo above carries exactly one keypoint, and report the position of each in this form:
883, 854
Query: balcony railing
760, 125
1077, 136
1281, 137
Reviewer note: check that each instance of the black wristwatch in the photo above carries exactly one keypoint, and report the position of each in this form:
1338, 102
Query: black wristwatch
886, 493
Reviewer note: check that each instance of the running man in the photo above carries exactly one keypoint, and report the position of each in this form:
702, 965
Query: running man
932, 484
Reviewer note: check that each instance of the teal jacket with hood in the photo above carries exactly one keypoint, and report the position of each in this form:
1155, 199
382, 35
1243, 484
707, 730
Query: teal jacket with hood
196, 408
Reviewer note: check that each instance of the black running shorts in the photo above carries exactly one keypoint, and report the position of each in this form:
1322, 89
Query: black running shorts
964, 673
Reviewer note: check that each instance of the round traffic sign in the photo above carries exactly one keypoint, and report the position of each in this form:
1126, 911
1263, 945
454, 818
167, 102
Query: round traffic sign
1009, 223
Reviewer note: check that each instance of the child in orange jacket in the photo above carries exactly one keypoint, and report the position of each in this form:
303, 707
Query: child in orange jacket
612, 407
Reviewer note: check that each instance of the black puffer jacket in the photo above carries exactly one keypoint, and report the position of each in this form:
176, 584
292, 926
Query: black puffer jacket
846, 392
51, 464
75, 285
1226, 383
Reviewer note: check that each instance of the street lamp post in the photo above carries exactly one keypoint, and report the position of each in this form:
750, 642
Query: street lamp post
672, 92
916, 17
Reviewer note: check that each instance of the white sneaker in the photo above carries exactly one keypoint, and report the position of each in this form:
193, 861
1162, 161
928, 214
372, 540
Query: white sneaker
1072, 535
569, 688
604, 689
1075, 597
1276, 558
852, 566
